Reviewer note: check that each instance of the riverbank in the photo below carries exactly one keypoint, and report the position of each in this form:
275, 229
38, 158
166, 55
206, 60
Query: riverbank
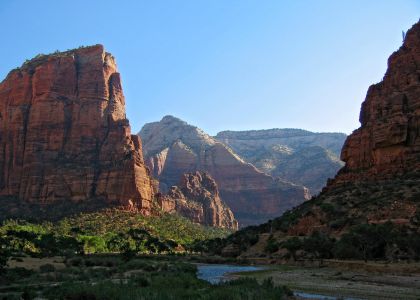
109, 277
346, 279
338, 279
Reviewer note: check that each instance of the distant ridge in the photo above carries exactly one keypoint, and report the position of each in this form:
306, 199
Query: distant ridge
172, 147
297, 155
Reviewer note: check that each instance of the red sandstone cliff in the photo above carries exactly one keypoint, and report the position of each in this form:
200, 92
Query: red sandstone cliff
388, 142
64, 133
197, 198
380, 181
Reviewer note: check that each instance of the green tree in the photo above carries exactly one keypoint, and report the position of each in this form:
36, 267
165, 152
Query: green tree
320, 245
366, 241
272, 245
4, 255
292, 245
92, 244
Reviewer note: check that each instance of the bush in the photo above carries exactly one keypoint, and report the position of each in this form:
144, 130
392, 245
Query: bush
339, 223
4, 256
271, 246
92, 244
46, 268
292, 245
169, 286
327, 208
367, 241
319, 244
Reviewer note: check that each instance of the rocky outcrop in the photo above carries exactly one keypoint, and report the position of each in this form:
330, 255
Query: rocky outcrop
64, 135
380, 182
197, 198
173, 147
297, 155
388, 142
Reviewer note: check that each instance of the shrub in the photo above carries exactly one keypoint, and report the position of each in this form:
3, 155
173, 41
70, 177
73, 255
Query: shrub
292, 245
47, 268
271, 246
328, 208
319, 244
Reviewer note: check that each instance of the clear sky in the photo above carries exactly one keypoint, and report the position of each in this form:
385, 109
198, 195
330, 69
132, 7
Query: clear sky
224, 64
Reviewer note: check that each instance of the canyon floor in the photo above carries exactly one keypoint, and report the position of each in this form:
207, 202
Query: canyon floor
82, 274
346, 279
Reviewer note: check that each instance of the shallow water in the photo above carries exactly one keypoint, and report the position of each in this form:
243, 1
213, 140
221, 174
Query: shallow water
218, 273
320, 297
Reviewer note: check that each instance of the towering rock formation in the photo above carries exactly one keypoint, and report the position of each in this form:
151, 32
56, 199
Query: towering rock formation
380, 182
64, 135
387, 144
297, 155
197, 198
173, 147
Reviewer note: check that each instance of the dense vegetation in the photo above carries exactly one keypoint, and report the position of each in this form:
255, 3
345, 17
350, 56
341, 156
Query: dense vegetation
112, 277
364, 220
364, 241
73, 264
109, 231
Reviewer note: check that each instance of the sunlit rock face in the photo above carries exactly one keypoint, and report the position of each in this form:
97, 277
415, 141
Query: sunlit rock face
172, 147
64, 135
197, 198
299, 156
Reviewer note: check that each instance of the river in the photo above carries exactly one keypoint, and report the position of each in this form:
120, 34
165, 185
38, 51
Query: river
216, 273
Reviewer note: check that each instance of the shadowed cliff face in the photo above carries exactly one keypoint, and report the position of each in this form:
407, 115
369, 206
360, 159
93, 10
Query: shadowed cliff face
197, 198
388, 141
64, 134
297, 155
381, 178
380, 182
173, 147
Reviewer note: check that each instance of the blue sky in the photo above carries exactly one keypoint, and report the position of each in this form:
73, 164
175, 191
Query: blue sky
224, 64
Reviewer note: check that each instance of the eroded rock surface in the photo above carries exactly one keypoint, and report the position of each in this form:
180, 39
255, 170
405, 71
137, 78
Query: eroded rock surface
300, 156
197, 198
380, 182
64, 135
388, 142
173, 147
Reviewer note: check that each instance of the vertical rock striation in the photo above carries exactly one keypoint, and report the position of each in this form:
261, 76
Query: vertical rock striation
380, 182
387, 144
197, 198
299, 156
172, 147
64, 135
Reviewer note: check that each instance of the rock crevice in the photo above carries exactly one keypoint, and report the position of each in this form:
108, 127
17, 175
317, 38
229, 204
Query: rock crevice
197, 198
172, 147
64, 135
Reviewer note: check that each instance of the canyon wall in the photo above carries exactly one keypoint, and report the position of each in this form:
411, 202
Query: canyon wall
197, 198
380, 182
387, 144
172, 147
299, 156
64, 135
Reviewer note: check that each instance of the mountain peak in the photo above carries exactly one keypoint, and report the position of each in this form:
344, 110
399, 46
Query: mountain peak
172, 119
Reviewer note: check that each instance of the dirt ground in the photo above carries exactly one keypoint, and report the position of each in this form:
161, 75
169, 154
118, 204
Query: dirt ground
32, 263
356, 280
